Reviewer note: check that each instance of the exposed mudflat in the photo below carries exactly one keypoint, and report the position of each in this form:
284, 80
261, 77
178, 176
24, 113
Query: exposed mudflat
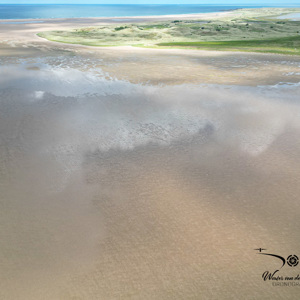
146, 174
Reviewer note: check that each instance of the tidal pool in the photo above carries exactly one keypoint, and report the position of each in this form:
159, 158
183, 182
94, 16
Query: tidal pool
293, 17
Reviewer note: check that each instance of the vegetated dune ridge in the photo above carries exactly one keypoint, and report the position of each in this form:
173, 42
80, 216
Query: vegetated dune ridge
254, 30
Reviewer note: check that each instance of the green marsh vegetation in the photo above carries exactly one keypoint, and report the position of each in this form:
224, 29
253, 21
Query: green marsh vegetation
254, 30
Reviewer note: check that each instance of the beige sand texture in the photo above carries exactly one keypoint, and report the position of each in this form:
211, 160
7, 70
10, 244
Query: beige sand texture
145, 174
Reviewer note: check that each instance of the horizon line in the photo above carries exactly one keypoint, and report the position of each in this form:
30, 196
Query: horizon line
154, 4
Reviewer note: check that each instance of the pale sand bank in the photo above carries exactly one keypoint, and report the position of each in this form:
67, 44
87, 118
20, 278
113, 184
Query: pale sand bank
154, 66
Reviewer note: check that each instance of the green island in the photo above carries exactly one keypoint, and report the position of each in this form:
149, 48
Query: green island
267, 30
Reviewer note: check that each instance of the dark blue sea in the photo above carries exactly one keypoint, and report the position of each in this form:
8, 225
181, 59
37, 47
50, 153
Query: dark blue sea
19, 11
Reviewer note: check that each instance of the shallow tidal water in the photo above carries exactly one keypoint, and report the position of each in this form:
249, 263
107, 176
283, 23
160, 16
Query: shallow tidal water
52, 11
120, 190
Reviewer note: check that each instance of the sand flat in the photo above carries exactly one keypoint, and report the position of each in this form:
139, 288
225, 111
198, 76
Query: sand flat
132, 173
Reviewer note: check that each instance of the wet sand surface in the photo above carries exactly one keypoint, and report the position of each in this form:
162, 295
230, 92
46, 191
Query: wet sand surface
145, 174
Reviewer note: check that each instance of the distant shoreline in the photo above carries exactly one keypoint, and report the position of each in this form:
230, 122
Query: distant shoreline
202, 15
71, 11
126, 18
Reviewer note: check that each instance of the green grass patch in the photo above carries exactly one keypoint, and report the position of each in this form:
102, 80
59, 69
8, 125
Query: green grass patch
287, 45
